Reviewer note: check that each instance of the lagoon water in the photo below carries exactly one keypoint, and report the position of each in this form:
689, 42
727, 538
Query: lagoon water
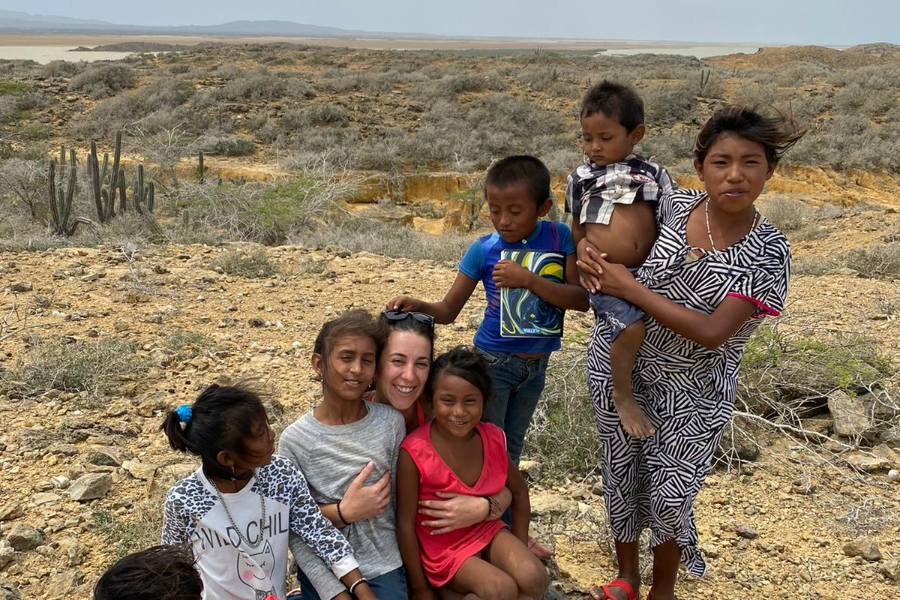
698, 51
45, 54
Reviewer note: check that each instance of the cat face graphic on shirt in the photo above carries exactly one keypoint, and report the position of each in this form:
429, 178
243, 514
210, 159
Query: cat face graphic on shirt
255, 570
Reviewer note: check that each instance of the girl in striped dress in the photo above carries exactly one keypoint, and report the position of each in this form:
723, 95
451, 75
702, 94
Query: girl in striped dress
716, 270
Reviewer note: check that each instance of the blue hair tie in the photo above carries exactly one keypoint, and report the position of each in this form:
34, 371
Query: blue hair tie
184, 413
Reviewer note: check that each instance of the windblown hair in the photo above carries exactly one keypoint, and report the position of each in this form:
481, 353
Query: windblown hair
465, 363
520, 169
616, 101
775, 133
351, 323
221, 419
157, 573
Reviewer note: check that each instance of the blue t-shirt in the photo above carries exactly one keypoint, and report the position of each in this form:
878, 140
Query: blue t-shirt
478, 264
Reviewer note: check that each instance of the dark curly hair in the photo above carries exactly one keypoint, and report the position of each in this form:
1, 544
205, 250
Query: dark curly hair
465, 363
157, 573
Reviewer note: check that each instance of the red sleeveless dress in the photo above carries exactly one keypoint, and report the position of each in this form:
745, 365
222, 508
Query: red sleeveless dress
442, 555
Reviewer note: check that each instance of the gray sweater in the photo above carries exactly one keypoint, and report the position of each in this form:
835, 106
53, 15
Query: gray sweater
330, 457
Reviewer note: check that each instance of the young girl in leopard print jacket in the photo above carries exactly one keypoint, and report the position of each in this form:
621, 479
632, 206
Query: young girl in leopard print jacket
235, 512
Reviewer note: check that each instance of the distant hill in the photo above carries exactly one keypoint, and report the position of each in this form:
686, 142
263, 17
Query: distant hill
14, 21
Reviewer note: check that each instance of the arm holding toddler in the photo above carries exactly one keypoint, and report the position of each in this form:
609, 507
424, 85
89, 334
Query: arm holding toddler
708, 330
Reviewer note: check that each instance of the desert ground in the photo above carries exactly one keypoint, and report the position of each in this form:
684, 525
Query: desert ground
338, 178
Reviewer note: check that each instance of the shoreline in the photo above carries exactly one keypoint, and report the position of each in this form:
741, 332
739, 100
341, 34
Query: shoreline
74, 40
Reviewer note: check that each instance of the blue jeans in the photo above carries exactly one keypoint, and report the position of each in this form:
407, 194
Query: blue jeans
390, 586
518, 383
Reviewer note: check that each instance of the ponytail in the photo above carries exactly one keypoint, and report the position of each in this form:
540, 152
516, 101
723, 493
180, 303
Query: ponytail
220, 419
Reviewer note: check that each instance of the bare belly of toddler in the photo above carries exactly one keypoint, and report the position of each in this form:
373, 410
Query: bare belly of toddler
628, 237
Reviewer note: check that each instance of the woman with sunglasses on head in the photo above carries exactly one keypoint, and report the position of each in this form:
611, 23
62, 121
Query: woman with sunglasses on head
403, 369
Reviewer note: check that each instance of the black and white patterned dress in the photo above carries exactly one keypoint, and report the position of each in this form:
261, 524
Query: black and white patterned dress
687, 391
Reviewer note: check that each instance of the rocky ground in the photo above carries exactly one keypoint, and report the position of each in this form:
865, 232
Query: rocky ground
83, 473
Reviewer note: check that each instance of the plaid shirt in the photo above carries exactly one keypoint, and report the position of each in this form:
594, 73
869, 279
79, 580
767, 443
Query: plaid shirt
593, 191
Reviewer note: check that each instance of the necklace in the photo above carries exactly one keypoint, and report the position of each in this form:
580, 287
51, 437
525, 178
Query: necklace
709, 231
262, 508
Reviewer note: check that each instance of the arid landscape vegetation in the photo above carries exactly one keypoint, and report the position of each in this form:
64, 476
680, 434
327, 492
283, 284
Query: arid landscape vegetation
263, 188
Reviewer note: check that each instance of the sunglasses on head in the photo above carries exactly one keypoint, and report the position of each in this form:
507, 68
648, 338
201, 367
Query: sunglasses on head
398, 315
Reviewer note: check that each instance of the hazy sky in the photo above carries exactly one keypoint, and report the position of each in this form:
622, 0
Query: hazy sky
833, 22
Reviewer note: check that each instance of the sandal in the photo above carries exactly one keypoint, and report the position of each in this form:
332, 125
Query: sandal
619, 583
538, 549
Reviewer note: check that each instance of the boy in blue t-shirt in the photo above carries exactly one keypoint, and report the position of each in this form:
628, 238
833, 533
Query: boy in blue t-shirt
517, 190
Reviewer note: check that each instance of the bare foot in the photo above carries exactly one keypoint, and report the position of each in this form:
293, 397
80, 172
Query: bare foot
633, 419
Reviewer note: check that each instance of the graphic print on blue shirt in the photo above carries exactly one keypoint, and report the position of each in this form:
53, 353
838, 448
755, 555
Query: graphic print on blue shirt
478, 264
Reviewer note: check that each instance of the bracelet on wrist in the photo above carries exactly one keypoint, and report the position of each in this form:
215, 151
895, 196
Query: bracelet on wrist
356, 583
341, 516
490, 509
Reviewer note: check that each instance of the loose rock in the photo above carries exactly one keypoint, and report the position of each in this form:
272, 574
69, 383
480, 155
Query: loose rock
90, 486
23, 536
10, 511
850, 415
864, 547
746, 531
21, 286
8, 590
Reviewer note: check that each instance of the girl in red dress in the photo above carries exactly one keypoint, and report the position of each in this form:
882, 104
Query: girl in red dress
458, 453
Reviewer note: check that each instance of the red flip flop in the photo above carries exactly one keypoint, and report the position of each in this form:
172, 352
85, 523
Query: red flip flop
619, 583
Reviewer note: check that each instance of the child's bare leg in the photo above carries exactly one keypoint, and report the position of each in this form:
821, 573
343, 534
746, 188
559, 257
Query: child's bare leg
666, 558
508, 553
622, 356
478, 579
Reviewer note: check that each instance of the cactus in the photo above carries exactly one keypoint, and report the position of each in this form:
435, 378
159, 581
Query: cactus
200, 167
705, 74
105, 199
61, 199
143, 196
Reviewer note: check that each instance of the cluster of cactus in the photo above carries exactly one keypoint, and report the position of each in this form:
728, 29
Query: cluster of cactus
105, 198
105, 184
104, 189
143, 195
61, 196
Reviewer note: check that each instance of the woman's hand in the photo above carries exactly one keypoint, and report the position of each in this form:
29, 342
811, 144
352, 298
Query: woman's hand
361, 501
456, 512
588, 268
508, 274
615, 280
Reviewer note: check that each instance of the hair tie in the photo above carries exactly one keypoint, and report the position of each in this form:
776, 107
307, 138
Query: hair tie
184, 413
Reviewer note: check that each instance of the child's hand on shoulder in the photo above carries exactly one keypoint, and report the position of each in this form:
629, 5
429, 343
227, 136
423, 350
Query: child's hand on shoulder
405, 304
508, 274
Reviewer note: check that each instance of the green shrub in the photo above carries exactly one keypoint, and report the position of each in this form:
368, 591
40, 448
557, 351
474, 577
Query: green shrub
356, 234
563, 435
249, 266
879, 261
95, 368
104, 79
229, 145
783, 373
